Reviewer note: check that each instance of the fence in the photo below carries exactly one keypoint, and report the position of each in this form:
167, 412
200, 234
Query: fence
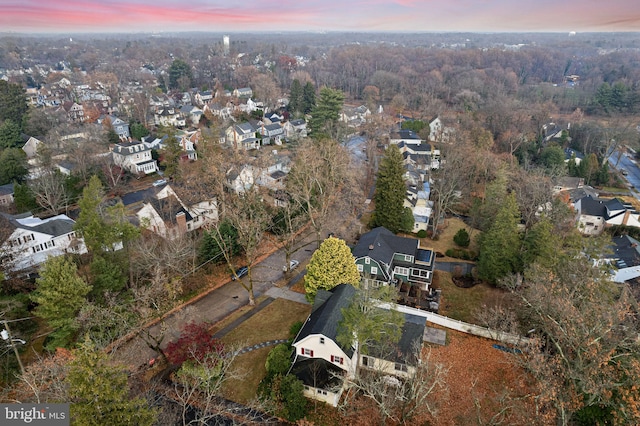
462, 326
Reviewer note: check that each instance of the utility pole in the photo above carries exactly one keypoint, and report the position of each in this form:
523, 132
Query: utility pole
6, 336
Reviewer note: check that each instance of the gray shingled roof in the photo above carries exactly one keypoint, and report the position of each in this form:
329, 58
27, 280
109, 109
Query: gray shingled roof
380, 244
324, 318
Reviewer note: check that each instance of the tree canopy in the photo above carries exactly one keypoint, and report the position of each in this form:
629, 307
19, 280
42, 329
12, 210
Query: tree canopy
500, 244
330, 265
99, 392
390, 194
13, 102
325, 114
60, 294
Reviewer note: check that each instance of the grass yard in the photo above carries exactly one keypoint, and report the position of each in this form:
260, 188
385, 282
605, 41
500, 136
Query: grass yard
271, 323
463, 303
445, 237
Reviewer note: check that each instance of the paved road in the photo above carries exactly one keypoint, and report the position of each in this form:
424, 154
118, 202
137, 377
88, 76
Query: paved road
626, 162
219, 303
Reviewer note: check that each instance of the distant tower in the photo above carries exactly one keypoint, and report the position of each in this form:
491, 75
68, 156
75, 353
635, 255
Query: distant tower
225, 43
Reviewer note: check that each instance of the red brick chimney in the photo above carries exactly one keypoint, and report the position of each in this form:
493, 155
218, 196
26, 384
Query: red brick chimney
181, 220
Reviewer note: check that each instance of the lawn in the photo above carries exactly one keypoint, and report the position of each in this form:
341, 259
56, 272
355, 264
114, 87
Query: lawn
463, 303
445, 237
271, 323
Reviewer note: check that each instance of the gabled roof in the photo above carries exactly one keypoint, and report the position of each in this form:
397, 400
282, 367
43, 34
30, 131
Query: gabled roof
380, 244
6, 189
245, 128
327, 313
168, 208
626, 251
405, 134
601, 208
273, 127
54, 226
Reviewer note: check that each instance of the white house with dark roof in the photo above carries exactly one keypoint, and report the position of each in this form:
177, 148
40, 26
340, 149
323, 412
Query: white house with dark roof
119, 126
384, 258
594, 214
135, 157
407, 136
272, 134
242, 135
295, 129
6, 195
243, 92
321, 363
161, 211
625, 259
33, 240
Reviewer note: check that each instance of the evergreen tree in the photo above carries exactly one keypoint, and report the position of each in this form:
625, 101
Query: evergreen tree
308, 98
112, 136
99, 392
13, 166
177, 72
324, 116
390, 193
171, 156
295, 97
330, 265
23, 198
10, 134
138, 131
105, 276
89, 223
500, 244
13, 102
102, 228
541, 245
226, 236
60, 294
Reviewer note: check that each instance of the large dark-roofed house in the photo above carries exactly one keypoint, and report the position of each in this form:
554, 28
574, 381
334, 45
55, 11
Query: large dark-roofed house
384, 258
321, 362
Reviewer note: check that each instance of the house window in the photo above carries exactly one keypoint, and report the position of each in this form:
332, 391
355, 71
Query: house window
401, 271
367, 260
307, 352
360, 268
322, 340
374, 270
400, 367
337, 359
365, 361
408, 258
322, 391
420, 273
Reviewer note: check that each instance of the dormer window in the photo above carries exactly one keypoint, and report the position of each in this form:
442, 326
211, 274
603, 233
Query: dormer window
322, 340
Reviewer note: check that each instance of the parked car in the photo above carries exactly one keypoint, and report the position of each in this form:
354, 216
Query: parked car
240, 272
159, 182
293, 264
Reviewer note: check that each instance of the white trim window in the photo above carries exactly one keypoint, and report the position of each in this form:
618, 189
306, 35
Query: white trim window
360, 268
400, 270
374, 270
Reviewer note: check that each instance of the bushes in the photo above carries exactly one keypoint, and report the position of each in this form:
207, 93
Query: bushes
461, 254
462, 238
422, 233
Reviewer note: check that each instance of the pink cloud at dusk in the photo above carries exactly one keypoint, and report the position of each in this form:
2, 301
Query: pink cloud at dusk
69, 16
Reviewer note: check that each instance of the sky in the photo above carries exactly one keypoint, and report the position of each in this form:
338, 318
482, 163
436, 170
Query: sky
134, 16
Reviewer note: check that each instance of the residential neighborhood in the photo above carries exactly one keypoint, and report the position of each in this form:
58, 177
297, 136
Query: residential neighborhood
321, 228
